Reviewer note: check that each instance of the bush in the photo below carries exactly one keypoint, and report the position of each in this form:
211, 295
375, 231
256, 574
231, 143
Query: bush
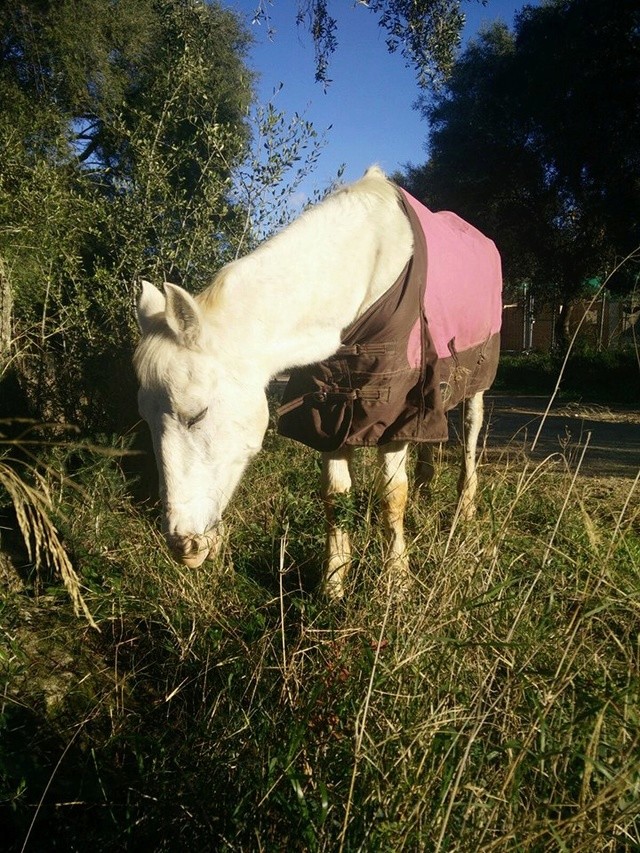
610, 376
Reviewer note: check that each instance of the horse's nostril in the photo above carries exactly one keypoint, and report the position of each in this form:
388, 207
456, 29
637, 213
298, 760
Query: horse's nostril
182, 546
189, 550
189, 547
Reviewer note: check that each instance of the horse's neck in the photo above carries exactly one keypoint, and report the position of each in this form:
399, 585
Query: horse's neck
286, 304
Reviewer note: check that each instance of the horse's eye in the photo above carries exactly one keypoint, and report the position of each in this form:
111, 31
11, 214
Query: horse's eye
196, 418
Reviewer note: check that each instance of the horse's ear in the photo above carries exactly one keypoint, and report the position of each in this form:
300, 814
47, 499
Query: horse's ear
182, 315
150, 303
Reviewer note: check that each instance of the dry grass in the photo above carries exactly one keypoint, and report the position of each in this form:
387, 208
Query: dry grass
29, 492
496, 708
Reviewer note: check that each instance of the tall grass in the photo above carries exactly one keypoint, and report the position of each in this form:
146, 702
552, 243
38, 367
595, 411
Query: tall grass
496, 708
29, 493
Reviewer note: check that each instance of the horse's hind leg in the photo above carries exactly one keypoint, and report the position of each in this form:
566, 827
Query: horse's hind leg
393, 491
468, 480
336, 485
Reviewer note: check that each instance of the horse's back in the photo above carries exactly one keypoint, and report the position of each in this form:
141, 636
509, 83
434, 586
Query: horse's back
463, 292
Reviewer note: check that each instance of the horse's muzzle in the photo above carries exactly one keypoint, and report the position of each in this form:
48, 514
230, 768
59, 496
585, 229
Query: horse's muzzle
192, 551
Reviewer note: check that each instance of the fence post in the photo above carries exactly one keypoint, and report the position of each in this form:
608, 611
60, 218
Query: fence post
528, 319
603, 303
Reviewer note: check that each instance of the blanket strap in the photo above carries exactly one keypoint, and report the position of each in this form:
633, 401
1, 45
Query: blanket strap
368, 395
365, 349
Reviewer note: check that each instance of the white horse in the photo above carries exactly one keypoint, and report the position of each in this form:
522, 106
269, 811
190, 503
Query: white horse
204, 363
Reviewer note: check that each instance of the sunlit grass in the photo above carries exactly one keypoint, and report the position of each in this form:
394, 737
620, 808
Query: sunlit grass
230, 708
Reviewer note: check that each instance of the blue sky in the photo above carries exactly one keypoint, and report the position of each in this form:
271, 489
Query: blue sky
369, 104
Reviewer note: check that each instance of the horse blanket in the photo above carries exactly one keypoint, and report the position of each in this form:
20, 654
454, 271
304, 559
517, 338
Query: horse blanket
430, 341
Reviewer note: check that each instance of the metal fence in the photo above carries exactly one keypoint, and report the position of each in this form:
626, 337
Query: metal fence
604, 324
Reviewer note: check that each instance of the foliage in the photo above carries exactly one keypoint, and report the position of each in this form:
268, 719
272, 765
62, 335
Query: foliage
426, 32
613, 375
119, 133
267, 184
535, 140
127, 138
497, 708
583, 99
96, 63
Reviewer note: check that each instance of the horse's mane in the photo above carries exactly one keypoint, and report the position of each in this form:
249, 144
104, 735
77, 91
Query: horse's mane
374, 184
155, 353
372, 188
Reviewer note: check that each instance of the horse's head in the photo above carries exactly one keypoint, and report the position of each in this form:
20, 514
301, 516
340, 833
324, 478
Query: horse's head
206, 421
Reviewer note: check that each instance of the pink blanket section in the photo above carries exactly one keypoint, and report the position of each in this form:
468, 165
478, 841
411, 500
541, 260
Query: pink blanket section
463, 300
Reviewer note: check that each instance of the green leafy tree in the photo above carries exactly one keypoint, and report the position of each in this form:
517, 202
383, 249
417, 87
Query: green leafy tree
579, 64
426, 32
267, 185
119, 123
536, 140
123, 128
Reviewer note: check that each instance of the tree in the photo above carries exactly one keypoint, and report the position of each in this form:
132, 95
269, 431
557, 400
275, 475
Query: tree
427, 32
120, 127
522, 139
93, 61
579, 63
125, 130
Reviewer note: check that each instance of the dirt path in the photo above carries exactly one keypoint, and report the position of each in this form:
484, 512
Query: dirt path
613, 435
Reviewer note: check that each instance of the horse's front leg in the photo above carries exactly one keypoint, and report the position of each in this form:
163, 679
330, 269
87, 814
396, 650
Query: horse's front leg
468, 480
393, 491
336, 485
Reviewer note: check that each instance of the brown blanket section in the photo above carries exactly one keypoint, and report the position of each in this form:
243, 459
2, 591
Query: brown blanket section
367, 393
